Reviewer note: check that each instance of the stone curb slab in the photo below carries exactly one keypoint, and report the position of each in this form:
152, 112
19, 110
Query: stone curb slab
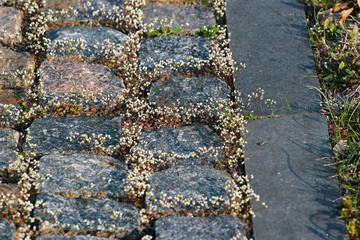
181, 16
82, 175
271, 38
209, 228
50, 134
291, 161
86, 215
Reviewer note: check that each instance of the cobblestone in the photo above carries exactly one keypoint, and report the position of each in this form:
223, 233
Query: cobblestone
10, 25
80, 175
60, 214
180, 16
16, 69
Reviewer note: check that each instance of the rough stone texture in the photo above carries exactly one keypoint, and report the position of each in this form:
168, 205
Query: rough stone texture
181, 16
12, 189
271, 38
10, 25
183, 141
8, 146
188, 189
82, 175
210, 228
85, 43
170, 1
49, 134
7, 231
294, 175
12, 62
184, 92
10, 101
175, 49
12, 96
79, 237
85, 12
70, 78
86, 215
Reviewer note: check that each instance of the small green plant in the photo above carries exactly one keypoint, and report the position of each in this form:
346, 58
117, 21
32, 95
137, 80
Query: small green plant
207, 32
163, 31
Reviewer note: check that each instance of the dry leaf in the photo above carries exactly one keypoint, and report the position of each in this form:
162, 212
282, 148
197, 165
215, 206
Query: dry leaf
345, 14
341, 6
358, 2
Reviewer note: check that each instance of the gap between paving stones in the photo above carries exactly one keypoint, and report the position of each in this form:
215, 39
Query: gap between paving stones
48, 135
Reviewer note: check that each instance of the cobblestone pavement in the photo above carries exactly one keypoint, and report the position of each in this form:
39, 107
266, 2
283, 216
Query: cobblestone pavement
116, 128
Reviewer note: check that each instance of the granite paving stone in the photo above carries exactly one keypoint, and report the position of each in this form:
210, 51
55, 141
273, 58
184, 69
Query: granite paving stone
85, 43
79, 175
10, 101
16, 69
181, 16
183, 142
79, 237
67, 78
72, 11
184, 92
189, 189
9, 188
8, 147
60, 215
50, 134
294, 174
7, 231
158, 51
10, 25
210, 228
271, 38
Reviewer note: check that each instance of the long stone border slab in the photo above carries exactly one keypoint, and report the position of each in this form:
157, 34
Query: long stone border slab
290, 159
270, 37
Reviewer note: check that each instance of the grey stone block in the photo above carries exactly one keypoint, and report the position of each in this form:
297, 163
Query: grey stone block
50, 134
16, 69
10, 25
175, 49
56, 237
67, 78
59, 214
209, 228
85, 13
9, 139
183, 141
184, 92
189, 189
82, 175
7, 231
181, 16
85, 43
271, 38
294, 174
